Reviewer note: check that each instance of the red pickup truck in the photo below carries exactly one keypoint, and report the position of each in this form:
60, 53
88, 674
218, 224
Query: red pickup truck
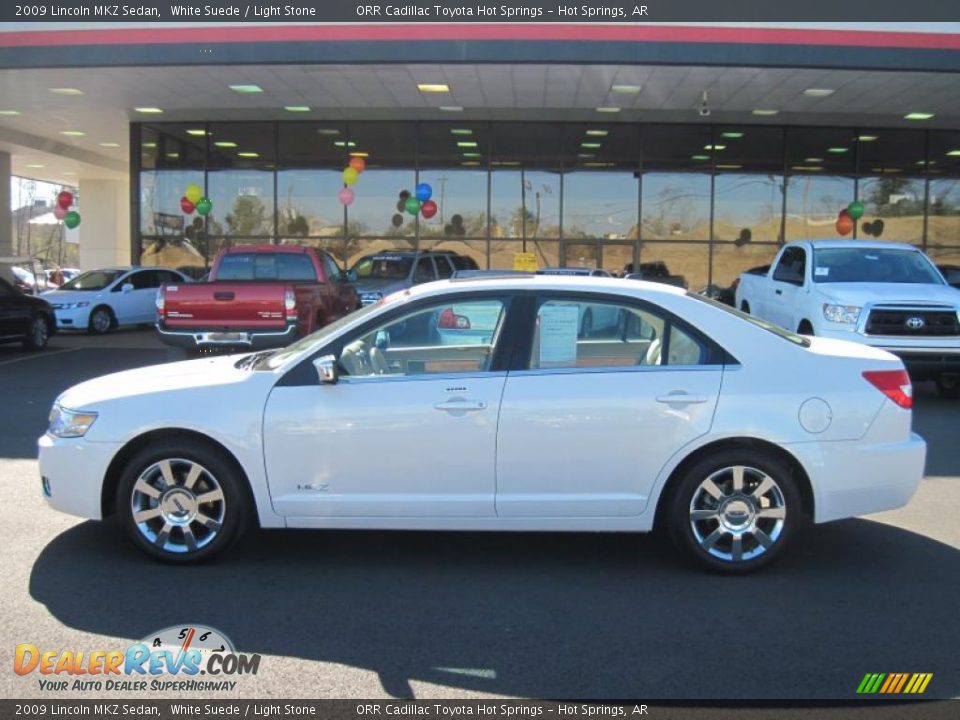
258, 296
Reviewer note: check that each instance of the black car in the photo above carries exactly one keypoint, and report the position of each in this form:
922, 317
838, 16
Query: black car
25, 318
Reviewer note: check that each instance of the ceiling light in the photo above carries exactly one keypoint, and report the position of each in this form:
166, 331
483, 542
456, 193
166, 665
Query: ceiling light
35, 166
225, 144
591, 145
818, 92
357, 153
718, 148
731, 135
246, 89
451, 108
344, 143
884, 170
625, 89
149, 144
507, 163
929, 162
433, 87
73, 133
598, 133
149, 110
297, 108
586, 155
699, 157
66, 91
608, 109
472, 155
248, 154
196, 132
866, 138
327, 131
109, 144
919, 116
466, 144
953, 153
598, 164
838, 150
813, 160
806, 168
766, 113
173, 155
729, 167
470, 163
461, 131
9, 113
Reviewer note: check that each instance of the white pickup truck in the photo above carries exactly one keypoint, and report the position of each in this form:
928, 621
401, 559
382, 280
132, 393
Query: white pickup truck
888, 295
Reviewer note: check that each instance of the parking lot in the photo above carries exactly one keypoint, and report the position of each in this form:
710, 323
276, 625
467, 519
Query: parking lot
429, 615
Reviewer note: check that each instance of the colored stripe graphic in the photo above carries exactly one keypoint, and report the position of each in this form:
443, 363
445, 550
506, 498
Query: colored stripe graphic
894, 683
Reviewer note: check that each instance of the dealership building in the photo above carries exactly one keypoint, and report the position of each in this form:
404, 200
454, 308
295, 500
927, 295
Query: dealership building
701, 146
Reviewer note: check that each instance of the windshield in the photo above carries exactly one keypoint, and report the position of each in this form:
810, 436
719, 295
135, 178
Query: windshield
315, 339
873, 265
92, 280
383, 267
753, 320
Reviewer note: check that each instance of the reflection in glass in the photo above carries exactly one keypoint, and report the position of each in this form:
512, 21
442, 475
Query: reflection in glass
943, 224
377, 210
748, 207
308, 204
600, 205
893, 209
460, 196
729, 260
242, 203
689, 263
813, 203
676, 206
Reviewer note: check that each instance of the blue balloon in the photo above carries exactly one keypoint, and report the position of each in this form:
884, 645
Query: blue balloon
424, 192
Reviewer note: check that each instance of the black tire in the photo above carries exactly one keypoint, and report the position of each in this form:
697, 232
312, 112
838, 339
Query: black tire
96, 325
38, 333
948, 386
586, 324
745, 307
178, 506
735, 509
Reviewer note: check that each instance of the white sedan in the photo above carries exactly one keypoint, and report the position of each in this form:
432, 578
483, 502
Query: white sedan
732, 433
100, 300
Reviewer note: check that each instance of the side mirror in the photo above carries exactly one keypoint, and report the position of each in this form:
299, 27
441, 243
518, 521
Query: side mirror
350, 276
326, 367
126, 288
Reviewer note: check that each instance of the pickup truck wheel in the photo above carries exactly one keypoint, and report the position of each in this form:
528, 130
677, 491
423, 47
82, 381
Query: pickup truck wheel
745, 307
735, 511
38, 334
181, 502
101, 320
949, 386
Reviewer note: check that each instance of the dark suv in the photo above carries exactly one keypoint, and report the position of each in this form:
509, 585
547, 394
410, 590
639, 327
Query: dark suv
375, 276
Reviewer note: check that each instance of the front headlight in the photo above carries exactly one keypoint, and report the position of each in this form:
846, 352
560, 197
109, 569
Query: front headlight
848, 314
69, 424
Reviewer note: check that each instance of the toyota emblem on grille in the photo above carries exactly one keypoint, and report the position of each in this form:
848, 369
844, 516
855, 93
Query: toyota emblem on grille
914, 323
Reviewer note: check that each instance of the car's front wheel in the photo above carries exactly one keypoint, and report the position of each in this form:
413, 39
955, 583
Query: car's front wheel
735, 511
101, 321
38, 333
182, 502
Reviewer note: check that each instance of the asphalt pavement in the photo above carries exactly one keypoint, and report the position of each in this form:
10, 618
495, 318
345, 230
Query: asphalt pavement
431, 615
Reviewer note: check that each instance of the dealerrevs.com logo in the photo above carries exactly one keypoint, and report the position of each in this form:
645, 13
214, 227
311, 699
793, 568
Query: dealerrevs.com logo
178, 658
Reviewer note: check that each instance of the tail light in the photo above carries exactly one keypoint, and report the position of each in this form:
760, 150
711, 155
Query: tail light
449, 320
290, 304
161, 303
895, 384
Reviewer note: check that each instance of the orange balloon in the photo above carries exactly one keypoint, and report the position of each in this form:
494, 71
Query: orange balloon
358, 164
845, 224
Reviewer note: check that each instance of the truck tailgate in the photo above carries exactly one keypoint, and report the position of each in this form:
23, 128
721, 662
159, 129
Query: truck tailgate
218, 305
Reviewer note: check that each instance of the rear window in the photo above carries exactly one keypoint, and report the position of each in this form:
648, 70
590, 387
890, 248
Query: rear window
768, 326
266, 266
384, 267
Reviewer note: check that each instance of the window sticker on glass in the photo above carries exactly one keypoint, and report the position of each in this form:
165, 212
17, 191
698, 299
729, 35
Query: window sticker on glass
821, 272
558, 335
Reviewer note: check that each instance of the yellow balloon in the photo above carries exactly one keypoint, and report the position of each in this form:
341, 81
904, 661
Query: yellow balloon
349, 175
193, 193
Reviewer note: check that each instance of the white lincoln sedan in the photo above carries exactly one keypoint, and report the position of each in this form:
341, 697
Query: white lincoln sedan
479, 404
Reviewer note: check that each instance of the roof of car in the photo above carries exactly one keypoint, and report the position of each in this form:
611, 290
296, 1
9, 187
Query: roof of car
547, 282
870, 244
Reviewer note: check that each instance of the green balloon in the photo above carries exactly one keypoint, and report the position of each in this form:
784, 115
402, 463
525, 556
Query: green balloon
855, 209
412, 205
71, 219
204, 206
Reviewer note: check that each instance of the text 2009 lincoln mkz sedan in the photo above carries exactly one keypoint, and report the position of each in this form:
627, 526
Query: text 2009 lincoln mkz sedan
481, 404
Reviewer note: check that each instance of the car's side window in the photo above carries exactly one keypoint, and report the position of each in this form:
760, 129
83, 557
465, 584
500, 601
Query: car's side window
444, 267
442, 338
330, 268
424, 271
792, 266
578, 334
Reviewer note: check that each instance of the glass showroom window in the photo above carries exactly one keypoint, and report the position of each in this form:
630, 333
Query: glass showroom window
821, 163
688, 264
240, 184
675, 206
943, 202
893, 200
600, 204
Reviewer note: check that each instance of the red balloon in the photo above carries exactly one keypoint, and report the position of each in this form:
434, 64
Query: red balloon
187, 206
845, 225
65, 199
429, 209
844, 214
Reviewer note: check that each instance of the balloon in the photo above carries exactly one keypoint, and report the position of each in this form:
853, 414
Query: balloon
457, 220
187, 206
358, 164
877, 228
867, 228
346, 196
350, 175
204, 206
855, 209
71, 219
844, 225
397, 220
59, 212
193, 193
429, 209
844, 214
412, 205
65, 199
404, 194
424, 191
401, 205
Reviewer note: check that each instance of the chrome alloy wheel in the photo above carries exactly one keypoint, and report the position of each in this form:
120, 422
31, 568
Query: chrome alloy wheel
178, 505
101, 320
39, 332
737, 513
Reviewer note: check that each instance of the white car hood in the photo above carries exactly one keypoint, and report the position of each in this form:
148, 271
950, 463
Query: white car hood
889, 293
69, 296
191, 374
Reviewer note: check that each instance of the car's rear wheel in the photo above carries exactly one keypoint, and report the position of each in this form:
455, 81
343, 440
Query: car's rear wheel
948, 386
38, 334
182, 502
101, 320
735, 511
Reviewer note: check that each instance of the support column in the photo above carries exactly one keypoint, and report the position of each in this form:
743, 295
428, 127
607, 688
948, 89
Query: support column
105, 223
6, 219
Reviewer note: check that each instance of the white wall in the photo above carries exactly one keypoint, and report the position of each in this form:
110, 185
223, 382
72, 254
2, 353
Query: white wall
104, 223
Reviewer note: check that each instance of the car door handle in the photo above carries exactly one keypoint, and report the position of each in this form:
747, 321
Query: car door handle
460, 406
681, 398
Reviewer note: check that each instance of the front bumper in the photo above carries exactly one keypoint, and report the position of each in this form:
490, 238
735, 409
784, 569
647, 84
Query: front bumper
73, 470
72, 318
254, 339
